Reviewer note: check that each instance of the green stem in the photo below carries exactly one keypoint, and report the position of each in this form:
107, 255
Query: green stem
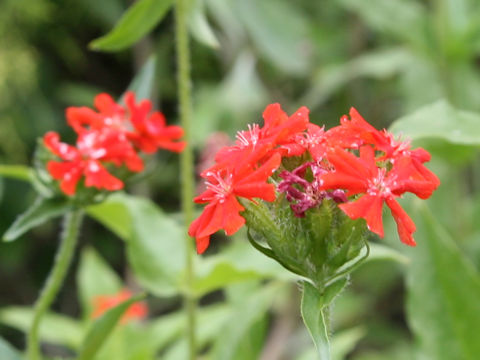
71, 225
187, 175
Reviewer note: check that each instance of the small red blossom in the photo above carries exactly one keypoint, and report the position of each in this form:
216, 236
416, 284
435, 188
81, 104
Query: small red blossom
315, 140
102, 303
362, 175
259, 143
150, 131
223, 187
94, 148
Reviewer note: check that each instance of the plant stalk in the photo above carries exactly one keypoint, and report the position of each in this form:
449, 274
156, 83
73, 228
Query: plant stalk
186, 163
68, 241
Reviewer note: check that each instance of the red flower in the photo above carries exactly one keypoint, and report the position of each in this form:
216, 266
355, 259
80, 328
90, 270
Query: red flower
148, 131
93, 149
223, 209
316, 141
102, 303
361, 175
354, 132
357, 132
259, 143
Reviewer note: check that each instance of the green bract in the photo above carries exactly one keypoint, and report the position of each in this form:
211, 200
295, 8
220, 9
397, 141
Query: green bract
322, 246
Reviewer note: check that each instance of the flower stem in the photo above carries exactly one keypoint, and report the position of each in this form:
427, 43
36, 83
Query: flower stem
68, 239
187, 176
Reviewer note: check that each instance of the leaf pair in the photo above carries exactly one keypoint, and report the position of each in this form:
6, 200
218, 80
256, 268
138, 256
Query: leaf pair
315, 307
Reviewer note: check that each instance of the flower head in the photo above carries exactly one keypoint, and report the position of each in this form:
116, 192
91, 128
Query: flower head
107, 139
354, 164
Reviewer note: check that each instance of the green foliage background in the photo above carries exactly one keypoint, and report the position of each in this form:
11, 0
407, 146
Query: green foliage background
413, 61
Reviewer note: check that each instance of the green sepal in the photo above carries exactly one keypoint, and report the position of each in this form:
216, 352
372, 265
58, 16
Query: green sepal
268, 252
321, 246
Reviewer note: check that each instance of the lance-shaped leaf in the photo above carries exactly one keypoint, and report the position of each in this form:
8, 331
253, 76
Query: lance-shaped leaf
144, 81
314, 305
440, 120
42, 210
200, 27
443, 294
136, 22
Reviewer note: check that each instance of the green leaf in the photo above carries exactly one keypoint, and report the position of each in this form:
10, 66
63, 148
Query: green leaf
440, 120
333, 290
443, 294
95, 277
155, 242
343, 343
200, 27
403, 18
102, 328
382, 252
279, 32
378, 64
7, 351
18, 172
42, 210
314, 317
166, 328
54, 328
211, 319
221, 274
241, 319
113, 213
156, 250
136, 22
144, 82
239, 262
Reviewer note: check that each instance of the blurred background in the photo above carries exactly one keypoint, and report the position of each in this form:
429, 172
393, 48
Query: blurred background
388, 59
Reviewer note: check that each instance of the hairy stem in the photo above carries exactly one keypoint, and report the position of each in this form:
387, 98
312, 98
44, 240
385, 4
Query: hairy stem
71, 225
187, 175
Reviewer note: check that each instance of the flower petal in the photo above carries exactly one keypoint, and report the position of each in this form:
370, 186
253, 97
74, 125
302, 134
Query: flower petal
97, 176
368, 207
405, 225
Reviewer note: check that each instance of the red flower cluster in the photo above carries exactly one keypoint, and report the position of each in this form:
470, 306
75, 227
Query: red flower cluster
242, 170
111, 136
103, 303
367, 165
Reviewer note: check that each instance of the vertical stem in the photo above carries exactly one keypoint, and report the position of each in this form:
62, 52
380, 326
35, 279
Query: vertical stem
68, 239
187, 176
